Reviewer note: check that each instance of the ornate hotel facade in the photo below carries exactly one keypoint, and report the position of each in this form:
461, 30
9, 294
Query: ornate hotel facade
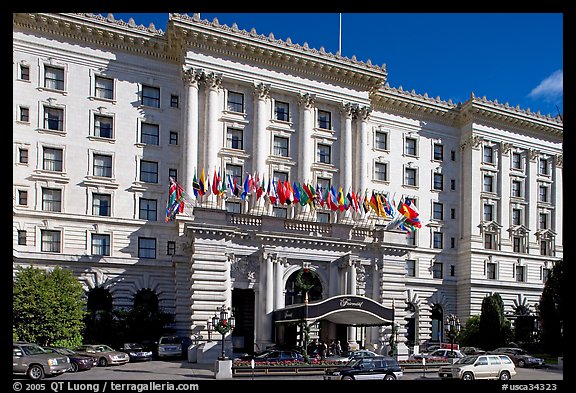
105, 111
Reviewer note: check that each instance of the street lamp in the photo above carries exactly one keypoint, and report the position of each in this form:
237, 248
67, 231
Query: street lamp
452, 328
222, 324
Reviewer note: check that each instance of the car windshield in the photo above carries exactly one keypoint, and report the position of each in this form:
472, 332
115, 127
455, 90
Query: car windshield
132, 346
64, 351
354, 362
466, 360
103, 348
170, 340
33, 349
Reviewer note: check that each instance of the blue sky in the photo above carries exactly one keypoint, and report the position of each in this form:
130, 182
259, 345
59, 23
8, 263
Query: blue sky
509, 57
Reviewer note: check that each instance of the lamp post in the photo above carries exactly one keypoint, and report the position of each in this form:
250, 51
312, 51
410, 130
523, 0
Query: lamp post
223, 324
452, 328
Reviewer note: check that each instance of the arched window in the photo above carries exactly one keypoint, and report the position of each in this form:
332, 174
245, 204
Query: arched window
295, 295
99, 299
146, 299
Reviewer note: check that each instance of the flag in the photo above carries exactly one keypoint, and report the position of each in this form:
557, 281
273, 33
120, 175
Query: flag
381, 212
374, 203
175, 203
302, 194
281, 193
216, 184
289, 192
196, 186
387, 207
319, 197
271, 192
231, 186
202, 184
296, 193
260, 189
247, 183
331, 200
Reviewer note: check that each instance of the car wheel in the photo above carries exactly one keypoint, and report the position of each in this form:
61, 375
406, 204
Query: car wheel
103, 362
468, 377
74, 368
504, 376
347, 378
35, 372
521, 363
389, 377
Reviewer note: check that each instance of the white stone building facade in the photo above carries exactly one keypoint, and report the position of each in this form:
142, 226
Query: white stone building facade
105, 111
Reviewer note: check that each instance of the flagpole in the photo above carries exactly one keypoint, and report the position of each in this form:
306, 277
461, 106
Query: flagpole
340, 36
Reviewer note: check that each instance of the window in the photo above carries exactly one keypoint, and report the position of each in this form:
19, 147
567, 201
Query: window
53, 118
543, 166
488, 181
323, 217
150, 134
411, 268
24, 114
171, 247
488, 212
438, 152
516, 217
174, 101
489, 241
324, 120
51, 199
381, 171
452, 184
452, 270
323, 184
516, 161
173, 138
411, 238
281, 111
453, 213
491, 271
438, 181
542, 194
519, 273
235, 102
488, 155
151, 96
22, 155
546, 274
24, 72
280, 176
50, 241
381, 140
147, 247
544, 247
235, 172
233, 207
21, 238
410, 177
22, 197
516, 188
452, 155
101, 204
543, 221
517, 244
452, 242
53, 78
437, 270
100, 244
173, 173
148, 209
102, 165
52, 159
234, 139
438, 211
149, 171
410, 146
437, 240
323, 153
104, 88
280, 146
103, 126
280, 212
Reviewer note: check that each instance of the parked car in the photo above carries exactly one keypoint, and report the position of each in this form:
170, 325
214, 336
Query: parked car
275, 356
35, 362
170, 346
472, 351
136, 352
442, 354
78, 362
347, 356
106, 356
479, 367
376, 367
520, 357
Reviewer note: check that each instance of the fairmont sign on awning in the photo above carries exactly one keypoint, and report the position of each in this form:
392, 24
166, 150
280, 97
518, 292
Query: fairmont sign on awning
342, 309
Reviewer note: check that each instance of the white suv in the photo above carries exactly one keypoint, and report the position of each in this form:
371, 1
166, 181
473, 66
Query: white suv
479, 367
169, 347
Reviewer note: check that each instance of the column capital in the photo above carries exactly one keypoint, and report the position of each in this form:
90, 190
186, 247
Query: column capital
474, 141
213, 80
262, 91
559, 160
533, 154
307, 100
363, 113
505, 147
192, 76
347, 109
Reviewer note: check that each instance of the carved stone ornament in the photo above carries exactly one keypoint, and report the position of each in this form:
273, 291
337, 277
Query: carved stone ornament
559, 160
192, 76
213, 80
533, 154
242, 268
505, 147
347, 109
363, 113
307, 99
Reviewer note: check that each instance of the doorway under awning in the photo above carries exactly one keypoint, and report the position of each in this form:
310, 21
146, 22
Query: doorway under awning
351, 310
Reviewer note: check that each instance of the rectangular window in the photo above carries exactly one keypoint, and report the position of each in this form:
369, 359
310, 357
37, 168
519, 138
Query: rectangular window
516, 161
22, 197
381, 171
151, 96
323, 184
543, 166
280, 212
488, 155
323, 153
488, 181
53, 119
491, 271
24, 114
104, 88
410, 146
519, 273
51, 199
453, 213
542, 194
452, 155
411, 238
437, 270
543, 247
546, 274
102, 165
516, 188
53, 78
147, 247
101, 204
489, 241
171, 247
149, 171
233, 207
173, 138
280, 146
323, 218
516, 244
23, 155
438, 240
411, 268
516, 217
100, 244
438, 181
235, 172
234, 139
452, 270
148, 209
52, 159
438, 152
103, 126
280, 176
21, 238
452, 242
281, 111
235, 102
488, 212
324, 120
410, 177
50, 241
381, 140
173, 173
452, 184
174, 101
438, 211
543, 221
150, 134
24, 72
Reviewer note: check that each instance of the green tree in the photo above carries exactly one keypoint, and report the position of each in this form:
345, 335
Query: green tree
551, 310
495, 329
48, 307
470, 334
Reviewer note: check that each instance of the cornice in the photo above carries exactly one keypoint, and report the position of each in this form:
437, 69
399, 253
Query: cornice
186, 31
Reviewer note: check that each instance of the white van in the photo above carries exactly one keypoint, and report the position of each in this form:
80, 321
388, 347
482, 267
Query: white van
479, 367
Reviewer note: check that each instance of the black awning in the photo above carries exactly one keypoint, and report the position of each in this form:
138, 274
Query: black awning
350, 310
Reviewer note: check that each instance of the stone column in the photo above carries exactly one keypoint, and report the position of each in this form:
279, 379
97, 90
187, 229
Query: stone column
212, 138
346, 158
504, 185
279, 283
352, 266
305, 146
260, 139
191, 78
267, 292
557, 219
362, 148
532, 197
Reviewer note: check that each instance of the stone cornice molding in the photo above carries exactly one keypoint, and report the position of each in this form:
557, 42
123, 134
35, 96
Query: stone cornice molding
191, 31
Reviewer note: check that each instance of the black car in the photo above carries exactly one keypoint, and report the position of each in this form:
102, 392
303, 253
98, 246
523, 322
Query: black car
520, 357
276, 356
137, 352
377, 367
78, 362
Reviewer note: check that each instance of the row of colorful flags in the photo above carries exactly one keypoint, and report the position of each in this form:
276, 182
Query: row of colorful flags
403, 215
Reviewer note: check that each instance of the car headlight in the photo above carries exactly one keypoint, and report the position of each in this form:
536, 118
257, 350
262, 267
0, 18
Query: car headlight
52, 362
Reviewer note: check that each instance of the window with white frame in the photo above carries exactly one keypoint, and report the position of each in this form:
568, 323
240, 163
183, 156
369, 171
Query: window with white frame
103, 87
410, 145
488, 183
546, 274
102, 165
24, 71
280, 176
381, 140
22, 155
517, 216
410, 268
235, 102
147, 247
24, 115
324, 120
410, 176
51, 199
53, 78
323, 153
488, 155
516, 188
281, 111
101, 204
323, 184
488, 211
543, 167
516, 161
149, 171
437, 270
103, 126
438, 153
150, 134
438, 181
491, 270
519, 271
173, 173
148, 209
233, 207
381, 171
50, 240
52, 159
150, 96
544, 247
411, 237
323, 217
517, 244
489, 241
100, 244
235, 172
234, 138
280, 212
438, 211
22, 197
280, 146
543, 221
437, 240
53, 118
21, 237
543, 193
